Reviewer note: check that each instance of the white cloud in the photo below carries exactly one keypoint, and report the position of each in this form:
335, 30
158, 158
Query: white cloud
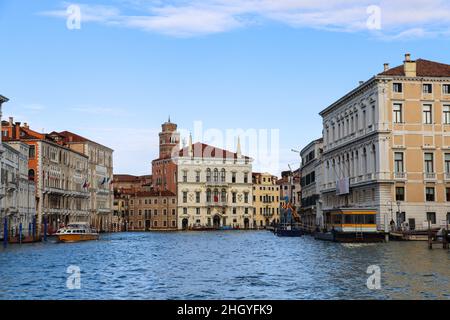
197, 17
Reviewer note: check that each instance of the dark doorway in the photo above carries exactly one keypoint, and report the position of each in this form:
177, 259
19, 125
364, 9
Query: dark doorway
246, 223
216, 222
185, 224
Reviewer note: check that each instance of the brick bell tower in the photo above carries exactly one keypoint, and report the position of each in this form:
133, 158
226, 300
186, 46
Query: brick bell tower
169, 140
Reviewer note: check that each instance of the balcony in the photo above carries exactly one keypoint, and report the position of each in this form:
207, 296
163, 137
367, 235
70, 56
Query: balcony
216, 184
400, 175
216, 203
447, 176
430, 176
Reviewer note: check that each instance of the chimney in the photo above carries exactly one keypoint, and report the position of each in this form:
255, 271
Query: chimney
386, 67
11, 121
25, 125
361, 83
17, 130
410, 66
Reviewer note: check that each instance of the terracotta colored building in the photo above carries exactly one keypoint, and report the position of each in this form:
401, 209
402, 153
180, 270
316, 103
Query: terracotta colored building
164, 169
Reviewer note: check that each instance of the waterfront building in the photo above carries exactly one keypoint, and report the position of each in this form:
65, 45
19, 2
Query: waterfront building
290, 188
100, 177
311, 173
387, 147
153, 211
164, 169
60, 175
19, 201
214, 188
266, 200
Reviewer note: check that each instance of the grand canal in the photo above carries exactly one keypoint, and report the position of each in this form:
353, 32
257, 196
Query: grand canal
222, 265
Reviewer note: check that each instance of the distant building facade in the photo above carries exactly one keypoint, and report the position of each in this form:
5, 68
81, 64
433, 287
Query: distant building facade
100, 177
153, 211
214, 188
266, 200
311, 173
60, 175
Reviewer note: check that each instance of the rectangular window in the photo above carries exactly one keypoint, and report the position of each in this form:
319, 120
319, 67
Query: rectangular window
32, 152
185, 197
446, 114
429, 163
447, 163
197, 210
398, 87
197, 197
447, 193
427, 114
430, 194
197, 177
399, 164
184, 176
234, 197
431, 216
397, 116
446, 88
233, 177
400, 194
427, 88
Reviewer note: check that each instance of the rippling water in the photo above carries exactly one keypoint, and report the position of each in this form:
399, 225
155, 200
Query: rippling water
222, 265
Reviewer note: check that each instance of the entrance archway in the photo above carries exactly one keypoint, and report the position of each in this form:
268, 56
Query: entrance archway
246, 223
185, 224
216, 222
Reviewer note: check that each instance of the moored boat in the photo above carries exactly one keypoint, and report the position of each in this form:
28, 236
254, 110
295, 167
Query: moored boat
349, 225
77, 232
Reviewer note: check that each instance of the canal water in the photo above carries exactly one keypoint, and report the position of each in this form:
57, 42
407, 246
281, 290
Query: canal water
222, 265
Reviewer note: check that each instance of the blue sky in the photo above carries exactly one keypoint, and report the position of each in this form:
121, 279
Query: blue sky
231, 64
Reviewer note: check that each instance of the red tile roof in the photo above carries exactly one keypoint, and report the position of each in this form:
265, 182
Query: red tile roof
202, 150
130, 178
425, 68
155, 194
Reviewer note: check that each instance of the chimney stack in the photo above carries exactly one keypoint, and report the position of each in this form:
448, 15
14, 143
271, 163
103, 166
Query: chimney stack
386, 66
410, 66
25, 125
11, 121
361, 83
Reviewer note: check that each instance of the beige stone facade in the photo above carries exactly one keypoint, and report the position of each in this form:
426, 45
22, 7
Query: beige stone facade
152, 211
388, 140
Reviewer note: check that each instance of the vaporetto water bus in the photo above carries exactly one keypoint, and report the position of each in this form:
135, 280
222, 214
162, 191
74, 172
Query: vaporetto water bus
351, 225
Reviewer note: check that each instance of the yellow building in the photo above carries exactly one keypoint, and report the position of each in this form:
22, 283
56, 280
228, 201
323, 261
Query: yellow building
266, 200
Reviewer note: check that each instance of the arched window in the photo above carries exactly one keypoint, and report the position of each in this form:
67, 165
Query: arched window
224, 195
223, 175
216, 175
216, 195
208, 195
31, 175
208, 175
